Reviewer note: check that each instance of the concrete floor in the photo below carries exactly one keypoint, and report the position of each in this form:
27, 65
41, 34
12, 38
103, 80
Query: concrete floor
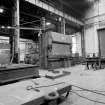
80, 79
87, 79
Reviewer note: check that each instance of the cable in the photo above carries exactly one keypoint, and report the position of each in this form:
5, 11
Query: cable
88, 98
46, 85
30, 15
32, 22
25, 22
96, 92
50, 85
36, 88
92, 90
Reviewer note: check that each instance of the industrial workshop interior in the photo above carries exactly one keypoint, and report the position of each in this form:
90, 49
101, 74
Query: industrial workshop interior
52, 52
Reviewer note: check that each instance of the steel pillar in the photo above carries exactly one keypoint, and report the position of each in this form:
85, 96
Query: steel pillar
63, 26
43, 49
83, 42
16, 32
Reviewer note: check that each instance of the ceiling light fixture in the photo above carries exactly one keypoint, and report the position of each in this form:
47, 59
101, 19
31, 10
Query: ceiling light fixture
2, 26
8, 27
48, 23
91, 1
1, 10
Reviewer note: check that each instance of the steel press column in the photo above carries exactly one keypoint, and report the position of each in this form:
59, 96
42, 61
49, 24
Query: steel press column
16, 32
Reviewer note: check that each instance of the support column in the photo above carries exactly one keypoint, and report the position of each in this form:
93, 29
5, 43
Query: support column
43, 47
11, 41
58, 27
83, 42
16, 32
61, 25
